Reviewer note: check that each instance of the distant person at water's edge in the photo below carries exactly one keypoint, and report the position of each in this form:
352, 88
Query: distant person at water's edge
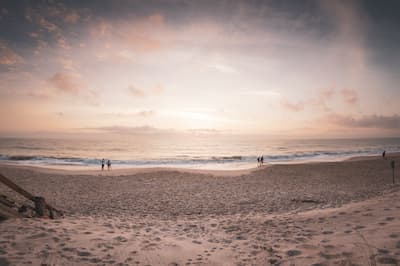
384, 154
108, 165
262, 159
258, 161
102, 164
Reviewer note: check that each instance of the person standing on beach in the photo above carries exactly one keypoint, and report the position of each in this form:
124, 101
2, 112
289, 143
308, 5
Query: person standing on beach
262, 159
258, 161
384, 154
102, 164
108, 165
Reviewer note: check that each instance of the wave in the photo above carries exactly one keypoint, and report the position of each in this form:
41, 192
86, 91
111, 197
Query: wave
191, 160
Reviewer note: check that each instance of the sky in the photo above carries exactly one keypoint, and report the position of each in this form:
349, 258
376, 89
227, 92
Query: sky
274, 68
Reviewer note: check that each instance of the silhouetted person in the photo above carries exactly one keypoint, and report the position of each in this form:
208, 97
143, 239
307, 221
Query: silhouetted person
262, 159
384, 154
102, 164
258, 161
108, 165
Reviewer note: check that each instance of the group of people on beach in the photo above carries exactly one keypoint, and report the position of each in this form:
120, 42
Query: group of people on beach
260, 160
108, 164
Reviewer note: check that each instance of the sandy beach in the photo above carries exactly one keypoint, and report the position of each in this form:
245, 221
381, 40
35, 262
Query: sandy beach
323, 213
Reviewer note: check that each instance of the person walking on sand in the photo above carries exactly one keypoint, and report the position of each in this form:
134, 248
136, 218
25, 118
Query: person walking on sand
108, 165
102, 164
262, 159
384, 154
258, 161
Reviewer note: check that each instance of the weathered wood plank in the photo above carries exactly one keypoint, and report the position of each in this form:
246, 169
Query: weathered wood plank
7, 212
5, 201
40, 204
16, 188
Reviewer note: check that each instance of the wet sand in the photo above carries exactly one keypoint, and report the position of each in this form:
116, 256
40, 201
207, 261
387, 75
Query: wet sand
344, 213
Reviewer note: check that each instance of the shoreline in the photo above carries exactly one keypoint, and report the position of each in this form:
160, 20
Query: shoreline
90, 170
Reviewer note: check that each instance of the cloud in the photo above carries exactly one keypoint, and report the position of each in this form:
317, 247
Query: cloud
8, 57
62, 43
40, 46
143, 35
265, 93
295, 107
72, 83
223, 68
349, 96
71, 17
136, 91
68, 64
43, 93
33, 35
67, 82
143, 114
318, 101
44, 23
368, 121
205, 131
158, 89
124, 130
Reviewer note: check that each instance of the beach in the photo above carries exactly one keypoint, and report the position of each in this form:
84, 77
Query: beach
316, 213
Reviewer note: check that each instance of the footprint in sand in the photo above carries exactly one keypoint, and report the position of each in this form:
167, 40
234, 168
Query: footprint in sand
347, 254
328, 256
383, 251
293, 252
120, 239
389, 218
358, 227
388, 260
83, 253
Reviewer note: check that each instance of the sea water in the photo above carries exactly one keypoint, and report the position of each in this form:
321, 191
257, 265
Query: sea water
202, 152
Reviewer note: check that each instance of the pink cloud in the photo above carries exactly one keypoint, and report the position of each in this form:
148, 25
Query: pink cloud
73, 84
68, 82
71, 17
148, 34
44, 23
366, 121
62, 43
320, 100
40, 46
158, 89
296, 107
9, 57
349, 96
136, 91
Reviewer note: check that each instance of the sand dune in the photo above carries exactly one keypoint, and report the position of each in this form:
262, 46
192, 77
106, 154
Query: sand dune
341, 213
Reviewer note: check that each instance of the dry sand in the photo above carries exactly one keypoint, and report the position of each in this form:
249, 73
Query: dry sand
332, 213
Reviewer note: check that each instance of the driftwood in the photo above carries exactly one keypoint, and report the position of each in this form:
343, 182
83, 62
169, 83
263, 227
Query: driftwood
7, 212
42, 208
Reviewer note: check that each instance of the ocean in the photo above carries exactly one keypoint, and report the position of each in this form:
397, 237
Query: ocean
201, 152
